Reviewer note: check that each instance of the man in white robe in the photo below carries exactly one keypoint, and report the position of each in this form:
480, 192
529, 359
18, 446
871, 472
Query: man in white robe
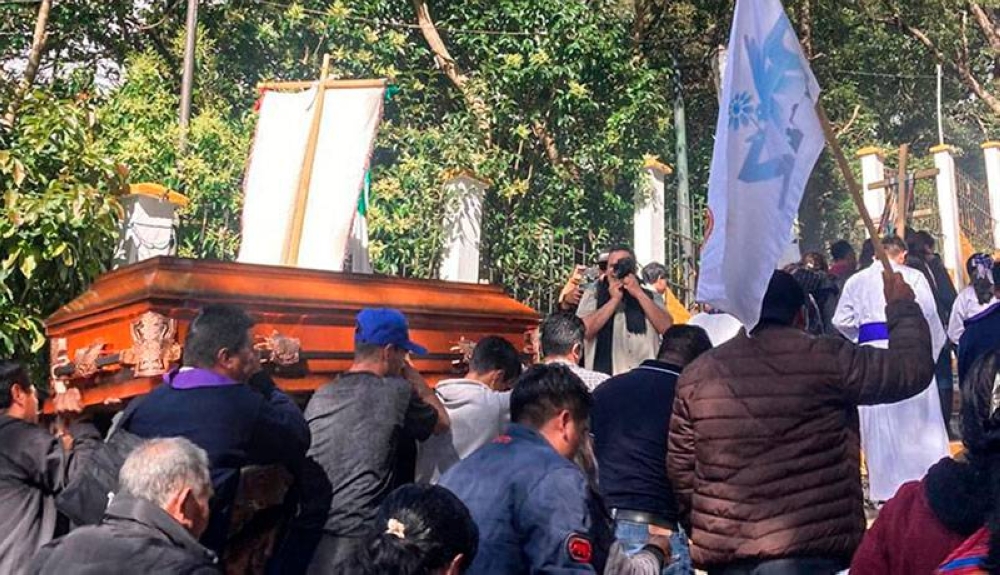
901, 440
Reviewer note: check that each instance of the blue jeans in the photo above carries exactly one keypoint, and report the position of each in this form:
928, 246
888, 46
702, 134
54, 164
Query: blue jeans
634, 535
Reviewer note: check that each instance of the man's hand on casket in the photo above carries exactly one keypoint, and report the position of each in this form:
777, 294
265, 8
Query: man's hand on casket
69, 404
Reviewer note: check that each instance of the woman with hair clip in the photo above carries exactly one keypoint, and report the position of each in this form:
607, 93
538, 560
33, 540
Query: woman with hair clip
980, 553
419, 530
975, 298
941, 518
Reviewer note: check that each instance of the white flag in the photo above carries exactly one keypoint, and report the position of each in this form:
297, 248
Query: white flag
767, 140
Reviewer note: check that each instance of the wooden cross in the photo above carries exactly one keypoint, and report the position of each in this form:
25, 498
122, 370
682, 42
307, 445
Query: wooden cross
290, 252
903, 183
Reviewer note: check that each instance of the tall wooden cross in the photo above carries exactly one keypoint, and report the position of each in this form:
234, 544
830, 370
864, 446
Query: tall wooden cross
904, 183
290, 252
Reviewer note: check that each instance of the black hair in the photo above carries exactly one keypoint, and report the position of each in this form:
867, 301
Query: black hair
919, 241
419, 529
559, 332
840, 249
894, 245
363, 351
653, 272
545, 390
620, 248
983, 286
867, 255
684, 342
783, 300
217, 327
494, 352
11, 373
981, 437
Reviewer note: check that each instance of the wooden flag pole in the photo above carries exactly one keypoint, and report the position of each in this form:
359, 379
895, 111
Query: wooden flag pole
901, 193
852, 185
290, 253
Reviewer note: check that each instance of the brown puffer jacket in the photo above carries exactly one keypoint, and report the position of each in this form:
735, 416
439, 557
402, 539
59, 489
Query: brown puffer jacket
763, 452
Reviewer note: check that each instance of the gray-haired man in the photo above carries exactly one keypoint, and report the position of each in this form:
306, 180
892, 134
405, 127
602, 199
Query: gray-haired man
153, 523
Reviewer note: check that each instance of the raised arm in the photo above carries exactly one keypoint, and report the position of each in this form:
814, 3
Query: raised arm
872, 376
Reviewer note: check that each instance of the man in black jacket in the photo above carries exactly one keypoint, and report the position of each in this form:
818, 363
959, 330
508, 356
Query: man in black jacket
34, 465
629, 421
153, 523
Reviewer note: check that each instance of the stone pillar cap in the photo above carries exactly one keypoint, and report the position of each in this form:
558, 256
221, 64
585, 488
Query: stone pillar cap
654, 163
870, 151
943, 148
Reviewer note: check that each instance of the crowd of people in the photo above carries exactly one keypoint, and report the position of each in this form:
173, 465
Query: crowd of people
627, 445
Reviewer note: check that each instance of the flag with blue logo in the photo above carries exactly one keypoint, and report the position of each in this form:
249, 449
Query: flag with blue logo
767, 140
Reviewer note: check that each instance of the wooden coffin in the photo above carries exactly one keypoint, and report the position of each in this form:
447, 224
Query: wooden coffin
117, 339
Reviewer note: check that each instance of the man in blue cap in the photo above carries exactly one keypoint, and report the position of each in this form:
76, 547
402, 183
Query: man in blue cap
357, 423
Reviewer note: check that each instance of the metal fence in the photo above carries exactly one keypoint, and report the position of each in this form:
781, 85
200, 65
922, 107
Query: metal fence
682, 250
974, 216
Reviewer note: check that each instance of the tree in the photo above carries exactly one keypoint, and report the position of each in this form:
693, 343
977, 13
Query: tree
59, 216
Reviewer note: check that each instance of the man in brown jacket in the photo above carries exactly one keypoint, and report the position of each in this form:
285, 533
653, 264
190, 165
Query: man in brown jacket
763, 451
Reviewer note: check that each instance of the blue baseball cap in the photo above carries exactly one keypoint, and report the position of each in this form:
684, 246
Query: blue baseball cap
385, 326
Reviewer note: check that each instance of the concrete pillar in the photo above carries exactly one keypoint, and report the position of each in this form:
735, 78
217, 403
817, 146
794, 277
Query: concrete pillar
648, 230
149, 228
991, 154
464, 192
947, 195
873, 170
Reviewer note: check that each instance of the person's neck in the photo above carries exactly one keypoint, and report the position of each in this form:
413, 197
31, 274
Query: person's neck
368, 366
672, 360
571, 359
554, 439
214, 369
15, 412
478, 378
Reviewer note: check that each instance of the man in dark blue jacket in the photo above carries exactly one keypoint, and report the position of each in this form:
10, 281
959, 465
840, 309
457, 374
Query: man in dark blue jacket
525, 494
629, 420
222, 403
982, 333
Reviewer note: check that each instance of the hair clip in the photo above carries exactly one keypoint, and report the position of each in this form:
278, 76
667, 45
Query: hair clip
396, 527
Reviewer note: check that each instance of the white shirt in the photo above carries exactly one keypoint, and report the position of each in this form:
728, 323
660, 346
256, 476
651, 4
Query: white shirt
628, 349
590, 377
721, 327
966, 306
478, 414
863, 302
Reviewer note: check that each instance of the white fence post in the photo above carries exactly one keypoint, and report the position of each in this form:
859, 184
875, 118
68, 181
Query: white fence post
462, 227
991, 155
872, 170
649, 227
947, 196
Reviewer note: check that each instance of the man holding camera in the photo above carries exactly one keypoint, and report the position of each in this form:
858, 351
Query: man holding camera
624, 321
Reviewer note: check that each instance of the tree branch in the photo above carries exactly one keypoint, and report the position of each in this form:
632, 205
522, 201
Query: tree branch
960, 63
475, 102
854, 116
447, 64
988, 25
34, 61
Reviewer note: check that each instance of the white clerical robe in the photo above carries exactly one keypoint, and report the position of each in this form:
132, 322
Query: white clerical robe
903, 439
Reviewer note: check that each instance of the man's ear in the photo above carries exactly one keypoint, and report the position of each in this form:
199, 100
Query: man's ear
181, 506
18, 393
577, 349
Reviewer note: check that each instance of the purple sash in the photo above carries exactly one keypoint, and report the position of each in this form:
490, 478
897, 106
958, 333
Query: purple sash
878, 331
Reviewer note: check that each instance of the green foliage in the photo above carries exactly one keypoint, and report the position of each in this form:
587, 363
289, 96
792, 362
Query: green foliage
58, 219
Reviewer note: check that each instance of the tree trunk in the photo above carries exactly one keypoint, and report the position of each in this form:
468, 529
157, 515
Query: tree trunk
34, 61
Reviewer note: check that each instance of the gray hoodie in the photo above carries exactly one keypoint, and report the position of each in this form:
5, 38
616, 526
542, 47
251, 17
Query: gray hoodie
478, 414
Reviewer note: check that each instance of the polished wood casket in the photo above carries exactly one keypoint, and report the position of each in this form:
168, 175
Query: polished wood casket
117, 339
